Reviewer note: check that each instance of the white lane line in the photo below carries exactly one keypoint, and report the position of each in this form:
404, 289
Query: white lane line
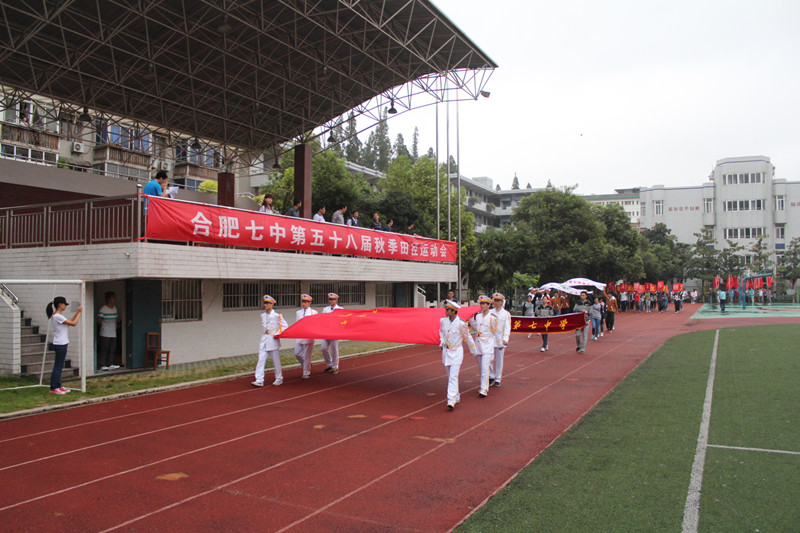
345, 439
743, 448
691, 512
182, 404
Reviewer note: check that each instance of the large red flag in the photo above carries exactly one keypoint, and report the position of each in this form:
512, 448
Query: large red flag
417, 325
409, 324
716, 282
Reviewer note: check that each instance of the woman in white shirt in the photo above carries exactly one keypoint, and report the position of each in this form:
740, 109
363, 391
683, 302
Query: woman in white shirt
55, 312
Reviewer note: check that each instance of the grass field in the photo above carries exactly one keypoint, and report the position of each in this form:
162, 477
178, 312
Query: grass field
626, 466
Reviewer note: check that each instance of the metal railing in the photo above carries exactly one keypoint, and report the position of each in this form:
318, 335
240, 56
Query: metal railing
97, 221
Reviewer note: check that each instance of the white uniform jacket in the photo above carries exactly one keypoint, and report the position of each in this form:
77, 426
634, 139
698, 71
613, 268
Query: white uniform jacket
272, 323
452, 335
329, 309
485, 328
503, 329
302, 313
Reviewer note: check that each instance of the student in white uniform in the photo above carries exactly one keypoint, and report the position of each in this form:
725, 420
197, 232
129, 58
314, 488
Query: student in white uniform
502, 332
272, 323
485, 326
304, 347
330, 348
452, 334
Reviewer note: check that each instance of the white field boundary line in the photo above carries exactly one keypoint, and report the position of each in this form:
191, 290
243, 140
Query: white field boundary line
252, 434
345, 439
513, 476
165, 388
746, 449
691, 511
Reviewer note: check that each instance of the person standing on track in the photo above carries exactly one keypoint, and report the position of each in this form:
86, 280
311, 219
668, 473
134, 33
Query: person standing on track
55, 312
330, 348
272, 323
304, 347
452, 335
503, 320
544, 310
484, 325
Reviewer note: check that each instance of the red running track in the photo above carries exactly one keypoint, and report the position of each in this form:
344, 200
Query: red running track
370, 449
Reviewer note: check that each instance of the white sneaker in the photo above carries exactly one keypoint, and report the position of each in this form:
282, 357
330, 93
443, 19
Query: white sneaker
104, 368
543, 349
257, 384
277, 382
113, 367
601, 334
306, 376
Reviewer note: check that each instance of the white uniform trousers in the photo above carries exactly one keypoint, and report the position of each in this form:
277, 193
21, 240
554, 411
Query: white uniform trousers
330, 351
496, 370
484, 362
303, 354
262, 361
453, 395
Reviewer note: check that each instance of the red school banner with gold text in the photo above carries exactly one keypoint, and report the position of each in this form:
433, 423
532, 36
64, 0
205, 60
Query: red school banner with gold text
174, 220
551, 324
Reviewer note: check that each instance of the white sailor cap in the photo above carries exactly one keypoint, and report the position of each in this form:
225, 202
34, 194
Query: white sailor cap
306, 297
452, 305
498, 296
484, 299
333, 296
268, 298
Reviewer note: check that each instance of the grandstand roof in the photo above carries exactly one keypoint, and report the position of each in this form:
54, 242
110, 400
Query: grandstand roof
245, 74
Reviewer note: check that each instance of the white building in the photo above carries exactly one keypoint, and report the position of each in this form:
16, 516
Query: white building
742, 202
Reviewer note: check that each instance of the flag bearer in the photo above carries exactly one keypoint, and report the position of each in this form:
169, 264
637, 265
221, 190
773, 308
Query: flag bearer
503, 321
304, 347
272, 323
330, 348
484, 324
452, 334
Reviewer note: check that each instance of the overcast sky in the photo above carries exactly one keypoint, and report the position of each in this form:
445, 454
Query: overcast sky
615, 94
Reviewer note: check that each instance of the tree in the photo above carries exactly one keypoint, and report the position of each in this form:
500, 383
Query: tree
336, 139
492, 267
515, 183
400, 147
352, 150
730, 262
333, 185
789, 263
431, 154
562, 233
761, 263
415, 145
208, 186
382, 144
453, 165
704, 263
621, 255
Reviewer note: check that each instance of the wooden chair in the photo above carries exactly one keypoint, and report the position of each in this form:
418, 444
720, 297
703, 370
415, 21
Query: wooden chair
154, 352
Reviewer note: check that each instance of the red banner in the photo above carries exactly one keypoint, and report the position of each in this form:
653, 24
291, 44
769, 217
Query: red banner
677, 287
173, 220
637, 287
660, 286
552, 324
715, 284
416, 325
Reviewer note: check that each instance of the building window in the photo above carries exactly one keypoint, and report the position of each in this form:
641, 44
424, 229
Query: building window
780, 232
780, 202
644, 210
383, 295
350, 293
286, 293
757, 205
181, 300
658, 207
708, 205
241, 295
731, 233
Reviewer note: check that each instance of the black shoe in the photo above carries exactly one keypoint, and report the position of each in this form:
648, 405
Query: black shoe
328, 369
451, 406
491, 382
577, 349
496, 383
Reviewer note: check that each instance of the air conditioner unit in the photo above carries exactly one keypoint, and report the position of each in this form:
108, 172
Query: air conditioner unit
77, 147
164, 165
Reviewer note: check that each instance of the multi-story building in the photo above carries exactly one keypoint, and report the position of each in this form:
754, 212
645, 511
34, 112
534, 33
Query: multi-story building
741, 202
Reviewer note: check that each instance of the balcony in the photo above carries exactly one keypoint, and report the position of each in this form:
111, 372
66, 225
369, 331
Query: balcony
116, 154
186, 169
19, 134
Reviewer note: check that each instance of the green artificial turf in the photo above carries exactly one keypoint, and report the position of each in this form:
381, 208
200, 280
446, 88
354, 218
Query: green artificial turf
626, 465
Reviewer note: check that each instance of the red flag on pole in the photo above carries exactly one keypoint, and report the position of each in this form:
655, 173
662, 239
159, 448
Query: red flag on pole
715, 284
769, 281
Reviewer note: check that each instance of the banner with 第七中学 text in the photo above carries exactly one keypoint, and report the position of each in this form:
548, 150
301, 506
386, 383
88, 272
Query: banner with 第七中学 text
551, 324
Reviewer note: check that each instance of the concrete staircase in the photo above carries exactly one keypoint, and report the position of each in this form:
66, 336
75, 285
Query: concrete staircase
31, 348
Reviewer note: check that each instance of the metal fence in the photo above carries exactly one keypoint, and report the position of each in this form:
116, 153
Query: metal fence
102, 220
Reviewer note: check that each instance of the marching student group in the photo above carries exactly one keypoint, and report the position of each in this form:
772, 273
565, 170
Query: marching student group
490, 326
